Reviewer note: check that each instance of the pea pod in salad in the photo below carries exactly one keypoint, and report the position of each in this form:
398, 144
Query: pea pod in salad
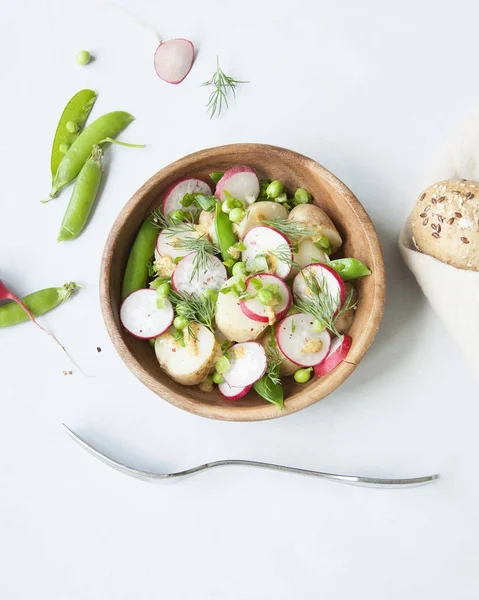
349, 268
107, 126
141, 255
224, 232
71, 122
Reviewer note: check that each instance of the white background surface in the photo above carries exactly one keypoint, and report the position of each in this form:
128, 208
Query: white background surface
369, 89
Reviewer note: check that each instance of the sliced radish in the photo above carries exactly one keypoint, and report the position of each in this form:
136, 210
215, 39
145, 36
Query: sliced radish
253, 308
233, 393
212, 277
327, 279
247, 364
340, 347
175, 194
240, 182
174, 59
266, 240
141, 316
165, 244
298, 342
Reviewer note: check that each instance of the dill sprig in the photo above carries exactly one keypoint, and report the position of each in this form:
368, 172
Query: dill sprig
170, 226
295, 231
222, 83
194, 308
284, 253
274, 360
204, 250
321, 305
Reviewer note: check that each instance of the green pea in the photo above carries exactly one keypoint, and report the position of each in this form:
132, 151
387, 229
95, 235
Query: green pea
77, 110
142, 252
301, 196
218, 378
82, 198
83, 57
303, 375
106, 126
318, 326
178, 216
265, 296
38, 303
222, 365
180, 323
72, 127
274, 189
239, 268
228, 205
163, 290
210, 294
237, 214
63, 148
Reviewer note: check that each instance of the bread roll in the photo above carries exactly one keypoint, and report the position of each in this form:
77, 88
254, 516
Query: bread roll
445, 223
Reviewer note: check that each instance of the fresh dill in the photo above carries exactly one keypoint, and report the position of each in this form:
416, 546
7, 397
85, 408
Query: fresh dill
194, 308
295, 231
218, 99
274, 359
172, 227
321, 305
204, 250
284, 254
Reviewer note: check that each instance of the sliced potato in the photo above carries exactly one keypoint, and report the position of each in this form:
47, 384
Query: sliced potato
287, 367
231, 320
315, 217
188, 365
345, 319
307, 254
259, 212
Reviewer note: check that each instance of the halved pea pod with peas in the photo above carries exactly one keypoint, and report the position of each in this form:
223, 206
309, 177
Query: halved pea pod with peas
70, 124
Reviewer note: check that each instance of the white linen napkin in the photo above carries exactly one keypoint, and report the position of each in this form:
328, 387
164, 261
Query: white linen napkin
453, 293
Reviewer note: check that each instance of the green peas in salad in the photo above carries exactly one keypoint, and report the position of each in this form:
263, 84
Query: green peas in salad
237, 215
303, 375
274, 189
218, 378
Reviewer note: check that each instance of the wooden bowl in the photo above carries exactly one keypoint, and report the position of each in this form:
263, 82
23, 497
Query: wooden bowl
295, 170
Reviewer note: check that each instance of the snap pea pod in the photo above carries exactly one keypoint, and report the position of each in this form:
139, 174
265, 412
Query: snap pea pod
270, 391
142, 253
82, 198
224, 232
349, 268
106, 126
38, 303
75, 112
216, 175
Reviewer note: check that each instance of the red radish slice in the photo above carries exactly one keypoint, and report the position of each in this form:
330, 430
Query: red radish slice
298, 342
253, 308
174, 59
247, 364
340, 347
165, 244
141, 316
213, 277
327, 278
175, 194
240, 182
266, 240
233, 393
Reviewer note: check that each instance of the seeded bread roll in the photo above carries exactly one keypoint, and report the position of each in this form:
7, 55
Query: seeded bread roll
445, 223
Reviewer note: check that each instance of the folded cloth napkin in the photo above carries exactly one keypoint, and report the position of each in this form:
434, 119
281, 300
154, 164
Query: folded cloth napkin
453, 293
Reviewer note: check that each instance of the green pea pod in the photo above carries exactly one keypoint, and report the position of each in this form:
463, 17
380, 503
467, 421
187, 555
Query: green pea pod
142, 253
270, 391
106, 126
349, 268
82, 198
37, 303
224, 232
76, 111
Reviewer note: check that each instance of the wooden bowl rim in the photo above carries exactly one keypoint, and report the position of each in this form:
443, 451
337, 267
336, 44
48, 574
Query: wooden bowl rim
230, 412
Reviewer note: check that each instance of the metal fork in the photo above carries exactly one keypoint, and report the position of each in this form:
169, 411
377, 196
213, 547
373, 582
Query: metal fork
349, 479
